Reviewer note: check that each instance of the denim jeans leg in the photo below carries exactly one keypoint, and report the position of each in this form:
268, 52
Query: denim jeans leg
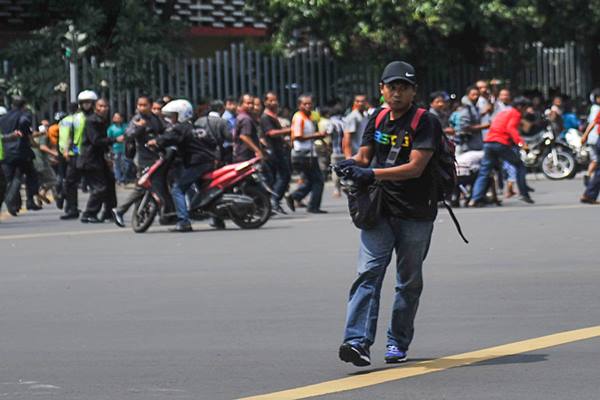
282, 177
510, 156
487, 164
318, 182
376, 248
412, 244
303, 167
593, 188
119, 167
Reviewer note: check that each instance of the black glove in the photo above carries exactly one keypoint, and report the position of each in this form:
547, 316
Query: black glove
341, 167
361, 176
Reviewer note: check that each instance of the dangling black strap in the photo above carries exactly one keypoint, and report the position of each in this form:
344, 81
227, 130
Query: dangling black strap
456, 223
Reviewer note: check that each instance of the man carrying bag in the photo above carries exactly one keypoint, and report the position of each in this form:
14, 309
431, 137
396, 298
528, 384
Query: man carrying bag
397, 147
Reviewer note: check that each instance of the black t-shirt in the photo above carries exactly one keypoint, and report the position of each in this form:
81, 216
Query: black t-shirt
413, 198
244, 125
275, 143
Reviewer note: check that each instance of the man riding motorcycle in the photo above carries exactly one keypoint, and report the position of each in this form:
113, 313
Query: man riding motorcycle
197, 147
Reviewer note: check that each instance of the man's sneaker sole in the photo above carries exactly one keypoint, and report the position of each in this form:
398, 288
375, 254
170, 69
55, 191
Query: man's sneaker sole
352, 355
395, 360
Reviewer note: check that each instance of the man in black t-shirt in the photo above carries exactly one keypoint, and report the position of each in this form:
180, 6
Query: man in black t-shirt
409, 208
245, 142
278, 158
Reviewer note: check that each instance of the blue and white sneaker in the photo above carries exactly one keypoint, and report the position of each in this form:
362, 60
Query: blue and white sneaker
355, 354
393, 355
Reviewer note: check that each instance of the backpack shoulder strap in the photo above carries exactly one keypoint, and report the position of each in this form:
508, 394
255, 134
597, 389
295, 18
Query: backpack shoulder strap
414, 123
381, 116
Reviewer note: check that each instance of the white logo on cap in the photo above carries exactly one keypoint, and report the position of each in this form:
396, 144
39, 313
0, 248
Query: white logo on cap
409, 75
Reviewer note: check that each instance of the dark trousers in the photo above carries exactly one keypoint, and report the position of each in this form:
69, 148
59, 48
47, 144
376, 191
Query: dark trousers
280, 175
61, 170
593, 188
13, 172
313, 181
70, 185
2, 187
101, 184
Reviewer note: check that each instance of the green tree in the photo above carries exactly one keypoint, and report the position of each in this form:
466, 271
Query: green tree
122, 34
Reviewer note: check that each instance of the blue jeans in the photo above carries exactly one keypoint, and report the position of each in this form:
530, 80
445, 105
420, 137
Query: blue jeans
120, 167
281, 175
187, 177
313, 181
411, 241
593, 188
493, 153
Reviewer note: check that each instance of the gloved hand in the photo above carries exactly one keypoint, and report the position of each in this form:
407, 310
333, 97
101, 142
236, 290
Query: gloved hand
361, 176
341, 167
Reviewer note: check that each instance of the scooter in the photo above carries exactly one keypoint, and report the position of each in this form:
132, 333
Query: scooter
237, 192
550, 155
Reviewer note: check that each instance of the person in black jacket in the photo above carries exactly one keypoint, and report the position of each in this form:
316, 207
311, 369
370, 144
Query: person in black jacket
18, 157
197, 147
143, 127
93, 164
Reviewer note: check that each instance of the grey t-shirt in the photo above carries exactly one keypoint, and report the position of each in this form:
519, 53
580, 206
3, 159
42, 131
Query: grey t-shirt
353, 123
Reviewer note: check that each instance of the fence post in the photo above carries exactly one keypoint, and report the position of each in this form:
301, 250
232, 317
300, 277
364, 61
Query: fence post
202, 78
234, 71
243, 73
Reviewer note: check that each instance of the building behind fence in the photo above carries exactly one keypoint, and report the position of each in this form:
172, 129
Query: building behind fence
315, 70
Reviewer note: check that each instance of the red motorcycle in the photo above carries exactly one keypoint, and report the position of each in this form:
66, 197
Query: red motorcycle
237, 192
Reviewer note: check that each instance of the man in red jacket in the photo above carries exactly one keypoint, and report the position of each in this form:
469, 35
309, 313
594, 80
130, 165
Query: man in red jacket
502, 136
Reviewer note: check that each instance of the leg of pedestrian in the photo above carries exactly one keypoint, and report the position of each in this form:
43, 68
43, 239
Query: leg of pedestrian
412, 244
375, 254
488, 162
317, 183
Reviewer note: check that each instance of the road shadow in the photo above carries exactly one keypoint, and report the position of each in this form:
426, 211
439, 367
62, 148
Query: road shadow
196, 230
390, 366
516, 359
445, 363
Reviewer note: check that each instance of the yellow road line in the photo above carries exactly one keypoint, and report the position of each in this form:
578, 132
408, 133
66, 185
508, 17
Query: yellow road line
426, 367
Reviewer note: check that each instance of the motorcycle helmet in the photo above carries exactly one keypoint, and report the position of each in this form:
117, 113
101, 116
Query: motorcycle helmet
59, 115
87, 95
2, 111
181, 107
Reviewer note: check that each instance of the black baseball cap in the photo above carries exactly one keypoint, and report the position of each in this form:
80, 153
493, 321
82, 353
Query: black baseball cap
399, 70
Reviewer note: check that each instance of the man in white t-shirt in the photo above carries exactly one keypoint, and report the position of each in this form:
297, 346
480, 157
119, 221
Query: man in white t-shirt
304, 156
352, 125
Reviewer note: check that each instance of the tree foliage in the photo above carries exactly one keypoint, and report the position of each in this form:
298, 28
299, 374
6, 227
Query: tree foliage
422, 28
119, 33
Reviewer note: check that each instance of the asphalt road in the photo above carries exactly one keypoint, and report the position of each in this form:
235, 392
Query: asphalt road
98, 312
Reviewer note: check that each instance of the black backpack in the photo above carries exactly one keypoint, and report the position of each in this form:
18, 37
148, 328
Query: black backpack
444, 163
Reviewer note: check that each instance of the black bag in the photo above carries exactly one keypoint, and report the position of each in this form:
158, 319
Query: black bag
364, 205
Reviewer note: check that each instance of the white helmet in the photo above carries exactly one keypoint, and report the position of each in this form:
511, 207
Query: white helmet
2, 111
87, 95
182, 107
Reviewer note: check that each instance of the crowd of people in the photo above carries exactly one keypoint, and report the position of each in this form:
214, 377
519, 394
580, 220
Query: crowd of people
90, 150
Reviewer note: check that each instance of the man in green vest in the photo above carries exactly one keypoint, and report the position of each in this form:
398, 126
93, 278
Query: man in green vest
69, 143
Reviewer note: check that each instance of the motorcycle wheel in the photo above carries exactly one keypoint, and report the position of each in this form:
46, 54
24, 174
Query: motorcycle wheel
260, 213
564, 168
144, 212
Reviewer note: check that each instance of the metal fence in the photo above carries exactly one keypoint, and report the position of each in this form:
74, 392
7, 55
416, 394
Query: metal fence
315, 70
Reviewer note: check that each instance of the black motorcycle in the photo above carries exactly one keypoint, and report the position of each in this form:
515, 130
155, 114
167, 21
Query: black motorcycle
550, 155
